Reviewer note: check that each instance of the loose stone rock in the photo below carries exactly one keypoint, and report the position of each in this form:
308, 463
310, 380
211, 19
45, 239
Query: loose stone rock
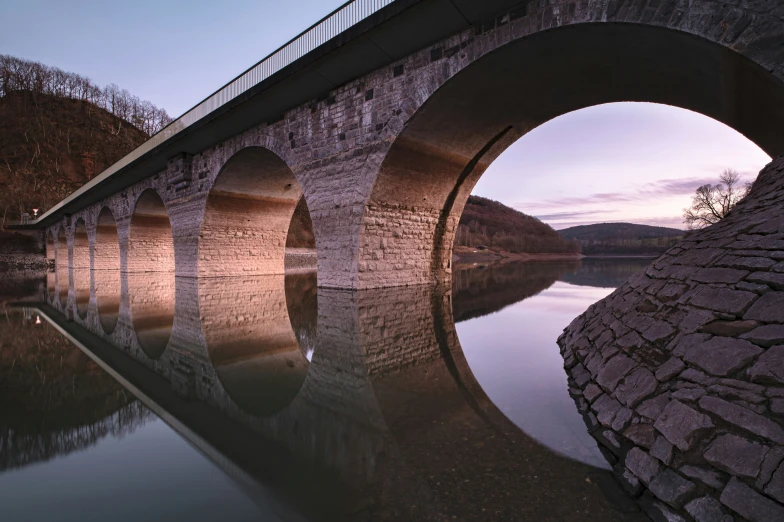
736, 455
642, 465
748, 503
652, 408
662, 450
766, 335
707, 509
636, 386
591, 392
729, 328
670, 487
622, 419
615, 370
722, 355
670, 369
769, 308
606, 407
641, 434
719, 275
723, 300
581, 375
706, 476
743, 418
769, 367
687, 342
681, 424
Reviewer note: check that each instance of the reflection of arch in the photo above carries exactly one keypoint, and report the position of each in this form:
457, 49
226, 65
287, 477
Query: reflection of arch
81, 268
61, 265
247, 215
250, 341
106, 276
466, 121
151, 274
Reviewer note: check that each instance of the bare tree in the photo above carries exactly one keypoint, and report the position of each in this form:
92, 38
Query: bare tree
711, 203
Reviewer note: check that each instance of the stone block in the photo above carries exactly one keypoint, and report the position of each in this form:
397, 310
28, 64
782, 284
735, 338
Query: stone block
769, 465
662, 450
653, 407
743, 418
638, 385
707, 509
641, 434
729, 328
591, 392
669, 369
722, 355
682, 425
687, 342
750, 504
769, 308
767, 335
775, 487
642, 465
772, 279
736, 455
719, 275
688, 394
769, 368
606, 407
723, 300
708, 477
614, 370
672, 488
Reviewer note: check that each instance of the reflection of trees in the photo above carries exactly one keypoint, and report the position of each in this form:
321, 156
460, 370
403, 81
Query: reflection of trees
605, 272
301, 302
483, 290
54, 399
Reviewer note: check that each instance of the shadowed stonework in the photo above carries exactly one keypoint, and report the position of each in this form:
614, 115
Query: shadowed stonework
680, 371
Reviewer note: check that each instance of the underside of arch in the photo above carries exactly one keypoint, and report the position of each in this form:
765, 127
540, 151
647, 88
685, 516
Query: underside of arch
106, 273
61, 265
247, 216
432, 166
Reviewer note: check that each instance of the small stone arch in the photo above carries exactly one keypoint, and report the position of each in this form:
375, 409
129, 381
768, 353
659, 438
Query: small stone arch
106, 273
150, 266
247, 215
80, 257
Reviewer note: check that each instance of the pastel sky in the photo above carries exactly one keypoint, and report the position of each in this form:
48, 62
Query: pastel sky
617, 162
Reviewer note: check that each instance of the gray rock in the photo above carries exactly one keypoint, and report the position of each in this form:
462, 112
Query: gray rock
658, 331
653, 407
581, 375
606, 407
615, 370
769, 465
670, 487
682, 425
688, 394
670, 369
743, 418
748, 503
736, 455
766, 335
638, 385
722, 355
719, 275
728, 392
723, 299
743, 385
622, 419
687, 342
671, 292
753, 287
591, 392
749, 263
775, 487
707, 509
772, 279
629, 481
769, 308
630, 340
641, 434
706, 476
769, 368
662, 450
642, 465
693, 375
777, 406
729, 328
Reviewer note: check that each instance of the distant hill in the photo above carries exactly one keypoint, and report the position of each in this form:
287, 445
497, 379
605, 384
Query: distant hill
623, 238
493, 224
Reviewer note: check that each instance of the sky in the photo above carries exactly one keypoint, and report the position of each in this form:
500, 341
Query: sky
618, 162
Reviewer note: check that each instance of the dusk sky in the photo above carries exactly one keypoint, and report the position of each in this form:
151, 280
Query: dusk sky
617, 162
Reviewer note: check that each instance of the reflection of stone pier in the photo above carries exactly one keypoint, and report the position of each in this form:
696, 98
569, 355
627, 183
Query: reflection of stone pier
680, 372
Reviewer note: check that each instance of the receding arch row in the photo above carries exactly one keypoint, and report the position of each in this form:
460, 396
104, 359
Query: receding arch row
468, 118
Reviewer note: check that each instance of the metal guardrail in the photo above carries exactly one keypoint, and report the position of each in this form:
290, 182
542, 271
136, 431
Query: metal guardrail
321, 32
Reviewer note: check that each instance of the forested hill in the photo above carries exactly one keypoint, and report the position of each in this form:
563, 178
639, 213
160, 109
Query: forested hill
623, 238
493, 224
58, 130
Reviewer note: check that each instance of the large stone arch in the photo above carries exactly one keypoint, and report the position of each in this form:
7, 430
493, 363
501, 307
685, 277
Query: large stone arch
106, 273
493, 88
81, 267
150, 267
247, 214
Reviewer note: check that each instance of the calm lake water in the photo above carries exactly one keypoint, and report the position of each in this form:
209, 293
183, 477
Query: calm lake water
269, 399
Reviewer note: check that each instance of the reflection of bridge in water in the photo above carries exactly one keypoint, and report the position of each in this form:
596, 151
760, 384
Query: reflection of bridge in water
386, 418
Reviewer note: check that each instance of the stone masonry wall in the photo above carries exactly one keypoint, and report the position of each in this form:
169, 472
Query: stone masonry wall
680, 372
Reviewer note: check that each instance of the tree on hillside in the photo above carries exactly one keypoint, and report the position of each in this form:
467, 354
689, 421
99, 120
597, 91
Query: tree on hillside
711, 203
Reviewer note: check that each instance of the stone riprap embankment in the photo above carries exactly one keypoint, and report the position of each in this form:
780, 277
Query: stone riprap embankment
679, 373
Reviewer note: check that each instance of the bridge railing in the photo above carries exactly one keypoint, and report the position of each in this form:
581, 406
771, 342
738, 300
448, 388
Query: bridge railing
321, 32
